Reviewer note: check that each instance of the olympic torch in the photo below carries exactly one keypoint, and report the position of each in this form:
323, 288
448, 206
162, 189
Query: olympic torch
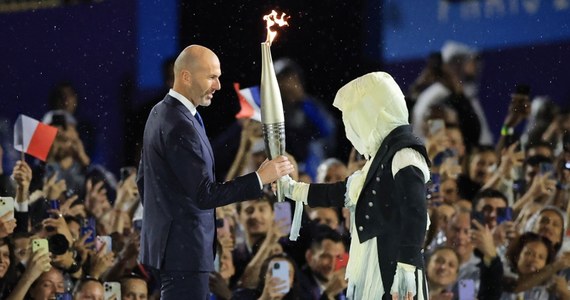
272, 115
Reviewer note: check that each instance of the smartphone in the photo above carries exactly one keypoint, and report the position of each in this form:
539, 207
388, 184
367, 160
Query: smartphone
280, 269
89, 225
546, 167
282, 212
479, 217
63, 296
104, 239
504, 214
7, 207
435, 182
341, 262
435, 125
39, 244
112, 290
466, 289
54, 204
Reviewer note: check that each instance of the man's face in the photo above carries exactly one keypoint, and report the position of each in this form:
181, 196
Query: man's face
204, 80
22, 248
489, 206
550, 226
322, 260
456, 141
134, 289
449, 191
459, 234
480, 166
256, 217
91, 290
47, 285
443, 267
336, 173
325, 215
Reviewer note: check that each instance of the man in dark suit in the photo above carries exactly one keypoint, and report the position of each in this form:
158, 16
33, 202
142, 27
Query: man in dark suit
177, 183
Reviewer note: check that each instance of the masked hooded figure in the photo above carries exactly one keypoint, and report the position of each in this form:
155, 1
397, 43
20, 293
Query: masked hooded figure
387, 198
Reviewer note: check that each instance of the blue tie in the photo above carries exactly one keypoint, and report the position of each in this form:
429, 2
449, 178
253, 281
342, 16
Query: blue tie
197, 115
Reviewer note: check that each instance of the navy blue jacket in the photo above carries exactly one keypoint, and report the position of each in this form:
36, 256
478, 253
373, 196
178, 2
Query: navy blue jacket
179, 193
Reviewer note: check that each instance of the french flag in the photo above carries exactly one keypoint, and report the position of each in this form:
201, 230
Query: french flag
33, 137
249, 101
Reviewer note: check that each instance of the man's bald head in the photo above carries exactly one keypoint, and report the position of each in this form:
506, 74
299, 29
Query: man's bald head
196, 74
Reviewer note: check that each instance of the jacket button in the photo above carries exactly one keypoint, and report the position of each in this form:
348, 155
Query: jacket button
360, 228
367, 217
378, 178
382, 166
373, 192
370, 204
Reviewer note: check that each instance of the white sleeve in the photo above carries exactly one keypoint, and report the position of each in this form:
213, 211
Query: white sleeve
410, 157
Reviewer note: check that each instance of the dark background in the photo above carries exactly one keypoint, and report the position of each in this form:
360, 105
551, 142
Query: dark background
106, 48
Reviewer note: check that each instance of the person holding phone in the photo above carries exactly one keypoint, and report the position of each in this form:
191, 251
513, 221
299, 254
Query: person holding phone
278, 279
387, 198
177, 183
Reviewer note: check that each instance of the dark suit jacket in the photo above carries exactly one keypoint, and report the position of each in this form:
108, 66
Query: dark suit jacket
392, 209
179, 193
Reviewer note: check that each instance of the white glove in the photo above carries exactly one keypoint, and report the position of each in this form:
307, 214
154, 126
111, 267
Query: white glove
404, 282
297, 191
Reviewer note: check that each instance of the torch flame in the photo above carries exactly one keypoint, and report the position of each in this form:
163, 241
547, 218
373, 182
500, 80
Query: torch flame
272, 19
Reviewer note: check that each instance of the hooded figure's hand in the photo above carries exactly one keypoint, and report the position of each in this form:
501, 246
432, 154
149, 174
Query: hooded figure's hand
404, 286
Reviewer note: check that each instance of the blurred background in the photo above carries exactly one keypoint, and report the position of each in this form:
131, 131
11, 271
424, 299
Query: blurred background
113, 54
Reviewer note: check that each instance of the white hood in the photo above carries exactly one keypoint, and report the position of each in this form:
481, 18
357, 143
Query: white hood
372, 106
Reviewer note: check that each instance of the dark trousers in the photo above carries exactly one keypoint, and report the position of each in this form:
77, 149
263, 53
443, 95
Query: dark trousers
176, 285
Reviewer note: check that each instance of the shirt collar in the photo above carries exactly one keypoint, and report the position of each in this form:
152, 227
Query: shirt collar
176, 95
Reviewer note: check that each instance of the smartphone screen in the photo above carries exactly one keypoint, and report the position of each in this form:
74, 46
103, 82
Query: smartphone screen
341, 262
104, 239
466, 289
504, 214
7, 206
280, 269
89, 226
282, 212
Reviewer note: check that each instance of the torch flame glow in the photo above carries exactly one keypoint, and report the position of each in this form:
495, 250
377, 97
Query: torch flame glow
272, 19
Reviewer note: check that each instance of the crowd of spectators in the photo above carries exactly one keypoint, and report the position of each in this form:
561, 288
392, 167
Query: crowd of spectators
499, 210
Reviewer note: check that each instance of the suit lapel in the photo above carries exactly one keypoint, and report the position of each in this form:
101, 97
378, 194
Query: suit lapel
201, 131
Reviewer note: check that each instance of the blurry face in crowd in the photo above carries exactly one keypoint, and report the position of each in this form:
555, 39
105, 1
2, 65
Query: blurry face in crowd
256, 217
532, 258
480, 166
69, 99
445, 213
458, 234
204, 79
4, 260
529, 174
134, 289
456, 141
21, 249
47, 285
325, 215
322, 260
91, 290
443, 267
550, 226
449, 191
227, 268
489, 206
336, 173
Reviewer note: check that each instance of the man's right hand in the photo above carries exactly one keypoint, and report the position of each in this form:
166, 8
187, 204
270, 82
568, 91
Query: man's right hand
271, 170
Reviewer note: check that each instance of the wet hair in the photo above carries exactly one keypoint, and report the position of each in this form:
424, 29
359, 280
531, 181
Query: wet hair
323, 232
267, 196
515, 248
489, 193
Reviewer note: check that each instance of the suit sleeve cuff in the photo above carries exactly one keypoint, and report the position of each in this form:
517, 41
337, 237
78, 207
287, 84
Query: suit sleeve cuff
21, 206
259, 180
